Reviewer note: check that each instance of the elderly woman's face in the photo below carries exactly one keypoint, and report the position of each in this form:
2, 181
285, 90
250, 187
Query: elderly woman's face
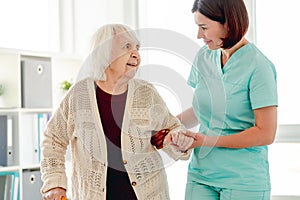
125, 56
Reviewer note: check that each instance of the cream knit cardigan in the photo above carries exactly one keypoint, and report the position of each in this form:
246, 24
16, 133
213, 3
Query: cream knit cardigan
77, 122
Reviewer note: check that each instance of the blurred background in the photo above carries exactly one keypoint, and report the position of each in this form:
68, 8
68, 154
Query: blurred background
63, 28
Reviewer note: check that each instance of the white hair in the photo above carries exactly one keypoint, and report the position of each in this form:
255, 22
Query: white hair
100, 56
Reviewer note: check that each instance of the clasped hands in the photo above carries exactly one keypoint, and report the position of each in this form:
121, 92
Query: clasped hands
182, 140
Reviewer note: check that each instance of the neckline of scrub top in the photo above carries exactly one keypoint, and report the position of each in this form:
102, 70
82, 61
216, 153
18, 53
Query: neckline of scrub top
233, 57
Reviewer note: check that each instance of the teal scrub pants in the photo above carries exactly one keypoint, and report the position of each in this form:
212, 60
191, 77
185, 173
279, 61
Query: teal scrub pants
197, 191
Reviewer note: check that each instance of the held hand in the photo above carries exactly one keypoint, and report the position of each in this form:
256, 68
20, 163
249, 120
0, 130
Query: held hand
198, 138
182, 141
157, 138
55, 194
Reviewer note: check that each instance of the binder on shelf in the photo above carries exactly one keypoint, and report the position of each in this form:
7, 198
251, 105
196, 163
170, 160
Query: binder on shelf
6, 187
6, 142
42, 120
36, 81
10, 151
9, 185
32, 184
33, 125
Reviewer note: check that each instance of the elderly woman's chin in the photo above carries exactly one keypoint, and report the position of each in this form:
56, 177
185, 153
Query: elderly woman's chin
131, 73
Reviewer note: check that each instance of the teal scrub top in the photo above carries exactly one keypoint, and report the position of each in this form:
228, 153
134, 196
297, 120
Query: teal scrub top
224, 100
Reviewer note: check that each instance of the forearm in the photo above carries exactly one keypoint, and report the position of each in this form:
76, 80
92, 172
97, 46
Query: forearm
253, 136
188, 118
53, 164
54, 148
263, 133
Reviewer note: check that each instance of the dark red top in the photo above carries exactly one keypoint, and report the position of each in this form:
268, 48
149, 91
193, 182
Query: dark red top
111, 109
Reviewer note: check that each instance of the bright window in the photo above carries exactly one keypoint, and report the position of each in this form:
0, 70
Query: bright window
277, 35
166, 66
29, 25
285, 169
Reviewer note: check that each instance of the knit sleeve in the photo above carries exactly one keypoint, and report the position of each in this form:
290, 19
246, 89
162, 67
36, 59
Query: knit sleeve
165, 120
54, 146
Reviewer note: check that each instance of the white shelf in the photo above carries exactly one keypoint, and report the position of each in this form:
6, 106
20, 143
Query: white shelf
25, 110
10, 169
28, 123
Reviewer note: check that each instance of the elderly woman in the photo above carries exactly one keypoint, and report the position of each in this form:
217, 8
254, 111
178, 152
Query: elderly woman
108, 119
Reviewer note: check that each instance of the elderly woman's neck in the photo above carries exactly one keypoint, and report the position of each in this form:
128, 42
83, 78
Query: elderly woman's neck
113, 86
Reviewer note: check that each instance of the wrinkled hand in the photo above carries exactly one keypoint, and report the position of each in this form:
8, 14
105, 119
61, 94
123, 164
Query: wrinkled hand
55, 194
182, 141
157, 138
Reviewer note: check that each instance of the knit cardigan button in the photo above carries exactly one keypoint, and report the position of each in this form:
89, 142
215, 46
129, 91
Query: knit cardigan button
133, 183
124, 162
